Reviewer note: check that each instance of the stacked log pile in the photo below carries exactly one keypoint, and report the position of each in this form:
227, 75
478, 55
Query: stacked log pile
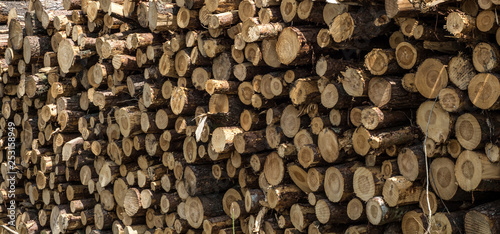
242, 116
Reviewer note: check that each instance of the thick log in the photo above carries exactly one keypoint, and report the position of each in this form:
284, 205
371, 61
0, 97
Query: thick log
454, 100
480, 91
35, 47
388, 92
364, 140
434, 121
461, 71
368, 182
283, 196
274, 169
461, 25
398, 191
473, 130
482, 218
329, 212
375, 118
197, 208
474, 171
294, 46
380, 213
162, 17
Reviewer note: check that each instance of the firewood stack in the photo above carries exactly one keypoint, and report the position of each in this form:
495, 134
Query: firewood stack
235, 116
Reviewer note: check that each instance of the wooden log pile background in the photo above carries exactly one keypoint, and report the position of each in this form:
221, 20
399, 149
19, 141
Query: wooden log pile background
243, 116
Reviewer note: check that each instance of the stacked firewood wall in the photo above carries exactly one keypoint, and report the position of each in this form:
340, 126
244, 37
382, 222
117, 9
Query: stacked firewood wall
242, 116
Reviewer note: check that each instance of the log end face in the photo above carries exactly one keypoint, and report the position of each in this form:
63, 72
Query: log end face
412, 223
334, 184
363, 183
468, 131
116, 62
391, 8
329, 96
328, 145
485, 57
443, 170
485, 21
408, 164
475, 221
27, 50
65, 55
288, 9
371, 117
239, 143
377, 62
374, 210
269, 53
468, 170
177, 100
482, 90
274, 169
449, 99
132, 201
342, 27
288, 46
355, 209
314, 180
297, 217
390, 192
437, 120
322, 210
431, 77
360, 141
190, 149
290, 121
353, 82
428, 202
455, 23
321, 65
194, 212
406, 55
492, 152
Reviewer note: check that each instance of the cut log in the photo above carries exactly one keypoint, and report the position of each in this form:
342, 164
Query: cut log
35, 47
294, 46
328, 212
461, 71
375, 118
434, 122
474, 171
411, 162
485, 56
353, 25
460, 24
382, 62
283, 196
454, 100
472, 130
444, 181
162, 17
339, 181
388, 92
274, 169
197, 208
482, 218
363, 140
368, 182
356, 210
398, 191
480, 91
380, 213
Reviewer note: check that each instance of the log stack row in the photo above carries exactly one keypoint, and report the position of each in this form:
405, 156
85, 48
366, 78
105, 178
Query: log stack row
230, 116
